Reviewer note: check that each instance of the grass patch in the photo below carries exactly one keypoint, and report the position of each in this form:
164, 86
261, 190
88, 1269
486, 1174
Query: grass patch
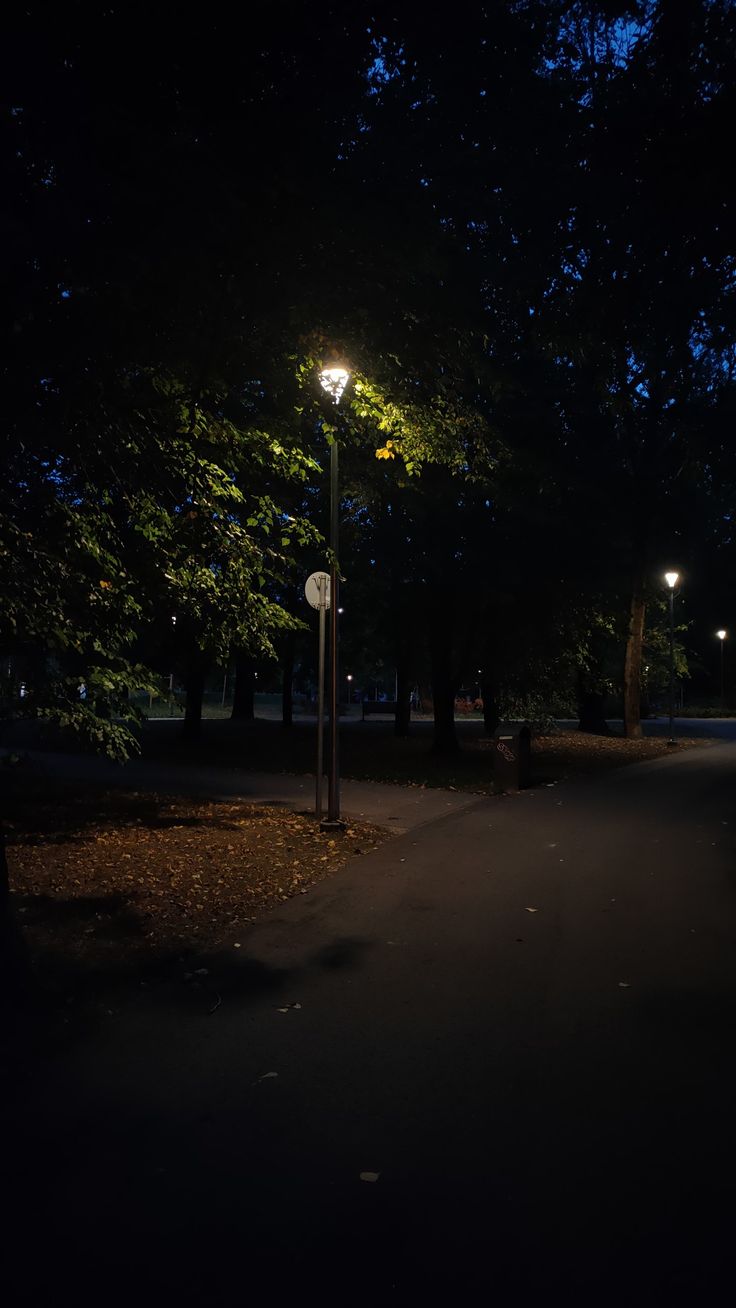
371, 752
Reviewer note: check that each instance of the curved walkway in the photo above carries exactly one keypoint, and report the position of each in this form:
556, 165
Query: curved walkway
492, 1060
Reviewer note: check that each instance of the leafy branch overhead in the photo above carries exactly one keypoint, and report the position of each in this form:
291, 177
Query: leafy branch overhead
514, 230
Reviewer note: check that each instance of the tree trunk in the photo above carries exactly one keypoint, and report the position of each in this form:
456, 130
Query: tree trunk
633, 659
444, 687
287, 688
491, 710
6, 925
243, 709
590, 714
194, 685
14, 963
402, 717
590, 709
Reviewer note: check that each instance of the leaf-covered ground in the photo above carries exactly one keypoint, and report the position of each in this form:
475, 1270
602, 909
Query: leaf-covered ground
113, 880
109, 885
573, 753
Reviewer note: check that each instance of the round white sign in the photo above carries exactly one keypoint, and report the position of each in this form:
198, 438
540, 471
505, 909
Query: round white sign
312, 589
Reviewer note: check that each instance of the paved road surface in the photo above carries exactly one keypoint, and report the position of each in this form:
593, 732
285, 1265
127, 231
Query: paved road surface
547, 1097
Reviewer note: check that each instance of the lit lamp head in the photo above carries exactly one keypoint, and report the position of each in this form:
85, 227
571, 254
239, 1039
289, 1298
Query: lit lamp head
334, 380
672, 579
721, 634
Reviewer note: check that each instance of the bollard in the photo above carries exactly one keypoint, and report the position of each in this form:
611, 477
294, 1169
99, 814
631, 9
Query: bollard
511, 757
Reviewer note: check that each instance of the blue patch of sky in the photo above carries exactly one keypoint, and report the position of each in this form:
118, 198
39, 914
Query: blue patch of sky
573, 267
386, 64
54, 471
585, 44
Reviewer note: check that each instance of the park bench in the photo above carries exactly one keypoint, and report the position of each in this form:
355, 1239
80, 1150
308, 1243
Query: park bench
372, 707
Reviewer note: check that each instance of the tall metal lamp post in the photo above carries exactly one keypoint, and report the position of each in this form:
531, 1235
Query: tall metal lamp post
672, 579
722, 638
334, 380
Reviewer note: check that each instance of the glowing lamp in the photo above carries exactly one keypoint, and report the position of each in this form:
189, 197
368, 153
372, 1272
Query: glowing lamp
334, 381
672, 579
721, 635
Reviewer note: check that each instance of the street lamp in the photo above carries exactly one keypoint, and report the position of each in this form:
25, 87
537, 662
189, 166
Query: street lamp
334, 380
349, 679
672, 579
171, 675
722, 638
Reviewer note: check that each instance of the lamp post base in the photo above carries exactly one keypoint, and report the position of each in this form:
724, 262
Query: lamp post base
333, 824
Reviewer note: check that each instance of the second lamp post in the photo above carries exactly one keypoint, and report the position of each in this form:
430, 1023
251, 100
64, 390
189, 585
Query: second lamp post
672, 579
334, 380
722, 640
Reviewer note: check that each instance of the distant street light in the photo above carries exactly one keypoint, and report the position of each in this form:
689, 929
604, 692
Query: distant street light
349, 679
672, 579
171, 675
722, 638
334, 380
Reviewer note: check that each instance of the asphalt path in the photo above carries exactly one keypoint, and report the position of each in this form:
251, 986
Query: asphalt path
416, 1089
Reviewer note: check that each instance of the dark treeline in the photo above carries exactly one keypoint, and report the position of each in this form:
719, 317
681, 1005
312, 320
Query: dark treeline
518, 232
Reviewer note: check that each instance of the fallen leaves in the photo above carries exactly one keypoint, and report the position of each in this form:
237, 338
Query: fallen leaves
569, 753
104, 875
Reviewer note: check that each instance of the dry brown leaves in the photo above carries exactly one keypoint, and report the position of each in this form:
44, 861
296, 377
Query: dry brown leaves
571, 753
110, 876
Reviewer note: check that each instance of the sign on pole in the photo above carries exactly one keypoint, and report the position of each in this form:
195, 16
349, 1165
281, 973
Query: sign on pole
317, 590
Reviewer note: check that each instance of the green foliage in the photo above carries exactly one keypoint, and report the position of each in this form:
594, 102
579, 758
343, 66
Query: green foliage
171, 514
515, 230
657, 647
